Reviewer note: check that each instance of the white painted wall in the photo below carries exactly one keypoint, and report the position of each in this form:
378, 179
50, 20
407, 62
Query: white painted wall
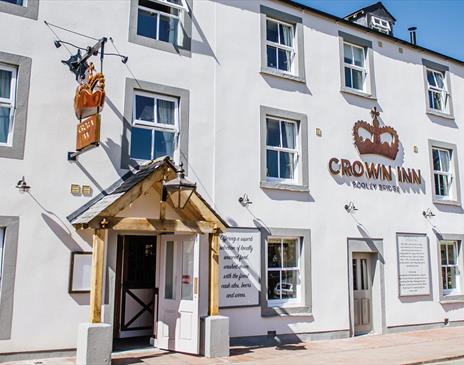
226, 91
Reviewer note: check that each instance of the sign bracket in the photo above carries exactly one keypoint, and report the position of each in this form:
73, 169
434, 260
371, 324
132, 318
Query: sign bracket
72, 156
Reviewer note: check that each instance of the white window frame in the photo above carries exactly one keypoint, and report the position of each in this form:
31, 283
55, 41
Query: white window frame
449, 174
380, 24
10, 102
354, 67
289, 301
182, 7
444, 93
295, 151
24, 4
293, 49
457, 267
155, 126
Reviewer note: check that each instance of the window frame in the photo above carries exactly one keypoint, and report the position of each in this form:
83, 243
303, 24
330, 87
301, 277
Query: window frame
355, 67
369, 90
293, 50
156, 126
282, 303
455, 197
449, 174
447, 95
10, 102
29, 9
457, 266
377, 22
444, 94
2, 243
296, 151
158, 14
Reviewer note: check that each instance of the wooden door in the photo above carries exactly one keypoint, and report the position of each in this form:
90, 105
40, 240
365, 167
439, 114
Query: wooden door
178, 318
362, 293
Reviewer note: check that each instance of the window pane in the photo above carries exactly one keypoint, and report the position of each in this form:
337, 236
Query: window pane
4, 124
168, 29
166, 111
444, 182
358, 54
289, 284
144, 108
436, 179
272, 33
286, 35
272, 163
290, 253
348, 82
347, 56
431, 79
445, 161
364, 282
443, 254
273, 132
444, 277
285, 61
451, 254
286, 165
436, 101
439, 80
169, 289
5, 84
271, 57
146, 24
288, 135
357, 80
164, 144
273, 254
273, 285
141, 143
451, 272
16, 2
355, 274
187, 270
436, 160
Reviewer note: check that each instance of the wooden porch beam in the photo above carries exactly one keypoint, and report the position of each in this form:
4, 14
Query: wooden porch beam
96, 288
158, 225
214, 273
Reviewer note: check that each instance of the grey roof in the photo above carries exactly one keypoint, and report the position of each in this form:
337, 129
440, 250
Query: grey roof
107, 197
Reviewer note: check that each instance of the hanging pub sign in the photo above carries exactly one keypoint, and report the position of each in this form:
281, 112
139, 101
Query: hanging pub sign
88, 103
372, 139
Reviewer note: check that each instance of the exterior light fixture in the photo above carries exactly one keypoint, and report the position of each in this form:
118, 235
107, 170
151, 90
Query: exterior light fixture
179, 189
428, 213
22, 185
245, 200
350, 207
57, 44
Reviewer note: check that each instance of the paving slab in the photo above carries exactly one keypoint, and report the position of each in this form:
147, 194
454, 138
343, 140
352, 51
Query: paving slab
407, 348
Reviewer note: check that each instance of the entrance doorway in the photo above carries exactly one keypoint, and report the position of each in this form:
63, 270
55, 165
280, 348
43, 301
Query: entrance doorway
178, 325
136, 290
362, 293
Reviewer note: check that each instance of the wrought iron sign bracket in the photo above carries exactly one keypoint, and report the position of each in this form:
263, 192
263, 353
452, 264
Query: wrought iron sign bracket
72, 156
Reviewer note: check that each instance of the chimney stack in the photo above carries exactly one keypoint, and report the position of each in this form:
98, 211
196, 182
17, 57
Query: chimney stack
412, 34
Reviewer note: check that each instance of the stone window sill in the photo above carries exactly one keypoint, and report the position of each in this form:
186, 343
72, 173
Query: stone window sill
284, 186
440, 114
277, 73
357, 93
452, 299
454, 203
290, 311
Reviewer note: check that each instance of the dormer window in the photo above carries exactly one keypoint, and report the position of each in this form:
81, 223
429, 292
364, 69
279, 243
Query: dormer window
381, 25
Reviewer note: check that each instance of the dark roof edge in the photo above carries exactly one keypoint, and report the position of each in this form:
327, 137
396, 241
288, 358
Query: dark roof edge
368, 30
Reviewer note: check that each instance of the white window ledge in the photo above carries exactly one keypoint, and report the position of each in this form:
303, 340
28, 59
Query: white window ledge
284, 186
287, 311
447, 202
452, 299
438, 113
358, 93
284, 75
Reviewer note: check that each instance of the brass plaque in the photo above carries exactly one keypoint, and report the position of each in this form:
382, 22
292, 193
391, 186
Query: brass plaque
88, 132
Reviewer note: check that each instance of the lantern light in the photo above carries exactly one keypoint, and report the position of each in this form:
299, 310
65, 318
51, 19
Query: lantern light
179, 189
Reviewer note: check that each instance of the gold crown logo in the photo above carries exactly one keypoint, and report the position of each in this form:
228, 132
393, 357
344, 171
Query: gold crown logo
374, 145
90, 95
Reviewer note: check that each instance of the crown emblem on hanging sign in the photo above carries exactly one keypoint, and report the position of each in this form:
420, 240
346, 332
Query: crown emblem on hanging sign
374, 144
90, 94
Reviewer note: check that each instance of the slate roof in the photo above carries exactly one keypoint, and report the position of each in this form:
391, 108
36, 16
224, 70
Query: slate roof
107, 197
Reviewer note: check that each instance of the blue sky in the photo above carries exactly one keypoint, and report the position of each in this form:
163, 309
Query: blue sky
439, 22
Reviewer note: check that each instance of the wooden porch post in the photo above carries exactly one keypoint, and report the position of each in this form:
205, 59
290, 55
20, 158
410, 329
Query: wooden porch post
214, 273
98, 252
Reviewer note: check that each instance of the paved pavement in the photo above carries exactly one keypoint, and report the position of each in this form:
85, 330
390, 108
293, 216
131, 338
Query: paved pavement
439, 345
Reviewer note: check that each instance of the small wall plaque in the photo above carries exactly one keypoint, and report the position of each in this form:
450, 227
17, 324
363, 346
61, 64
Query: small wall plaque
75, 189
80, 272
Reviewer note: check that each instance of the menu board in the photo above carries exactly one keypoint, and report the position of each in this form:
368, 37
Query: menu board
240, 256
413, 264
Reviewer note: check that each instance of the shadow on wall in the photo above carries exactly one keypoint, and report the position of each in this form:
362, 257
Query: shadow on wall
277, 82
442, 121
286, 195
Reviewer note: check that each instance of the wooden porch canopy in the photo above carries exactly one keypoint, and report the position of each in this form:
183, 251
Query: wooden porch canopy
101, 214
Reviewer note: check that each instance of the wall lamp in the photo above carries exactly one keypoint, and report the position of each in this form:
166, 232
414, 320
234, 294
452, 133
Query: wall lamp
22, 185
245, 200
428, 213
179, 190
58, 43
350, 207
